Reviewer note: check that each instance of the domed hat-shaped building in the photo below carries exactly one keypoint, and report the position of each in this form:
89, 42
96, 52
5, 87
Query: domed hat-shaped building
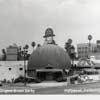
48, 61
49, 56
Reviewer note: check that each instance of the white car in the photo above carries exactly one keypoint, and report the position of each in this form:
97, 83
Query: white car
83, 78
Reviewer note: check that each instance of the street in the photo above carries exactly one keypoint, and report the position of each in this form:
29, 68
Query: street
87, 88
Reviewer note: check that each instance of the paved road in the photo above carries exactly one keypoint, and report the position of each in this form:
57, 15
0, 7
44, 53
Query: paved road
88, 88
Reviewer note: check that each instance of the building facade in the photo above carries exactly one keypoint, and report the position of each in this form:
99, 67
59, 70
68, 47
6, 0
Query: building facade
12, 53
10, 70
84, 50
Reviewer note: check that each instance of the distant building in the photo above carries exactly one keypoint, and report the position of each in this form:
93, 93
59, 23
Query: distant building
12, 53
83, 49
96, 54
98, 46
10, 70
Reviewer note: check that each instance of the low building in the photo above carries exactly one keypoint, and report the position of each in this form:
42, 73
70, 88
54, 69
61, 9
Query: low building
83, 49
10, 70
12, 53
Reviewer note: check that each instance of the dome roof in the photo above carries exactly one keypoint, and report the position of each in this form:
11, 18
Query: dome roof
49, 55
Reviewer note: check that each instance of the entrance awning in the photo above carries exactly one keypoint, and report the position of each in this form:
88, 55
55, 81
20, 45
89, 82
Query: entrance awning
48, 70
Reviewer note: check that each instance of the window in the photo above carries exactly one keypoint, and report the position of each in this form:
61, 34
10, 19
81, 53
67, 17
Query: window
9, 68
20, 69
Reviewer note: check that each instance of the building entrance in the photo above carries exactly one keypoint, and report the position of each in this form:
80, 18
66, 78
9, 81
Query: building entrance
49, 76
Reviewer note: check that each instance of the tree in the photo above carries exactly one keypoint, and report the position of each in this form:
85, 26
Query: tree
89, 38
70, 49
33, 44
25, 51
26, 46
39, 45
70, 41
4, 54
19, 53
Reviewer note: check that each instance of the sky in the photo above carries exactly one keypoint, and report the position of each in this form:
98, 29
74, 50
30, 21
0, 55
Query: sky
24, 21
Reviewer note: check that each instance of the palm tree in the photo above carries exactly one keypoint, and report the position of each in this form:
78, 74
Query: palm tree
26, 46
89, 38
4, 54
33, 44
70, 49
39, 45
68, 45
70, 41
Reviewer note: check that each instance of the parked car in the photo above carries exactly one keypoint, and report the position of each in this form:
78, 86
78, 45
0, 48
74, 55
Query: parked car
73, 79
21, 79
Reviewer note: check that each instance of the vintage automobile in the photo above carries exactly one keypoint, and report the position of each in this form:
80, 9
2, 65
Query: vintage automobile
22, 79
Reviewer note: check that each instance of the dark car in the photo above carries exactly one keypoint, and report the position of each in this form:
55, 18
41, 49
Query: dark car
21, 79
73, 79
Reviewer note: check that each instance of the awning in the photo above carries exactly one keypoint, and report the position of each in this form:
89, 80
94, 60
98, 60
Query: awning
48, 70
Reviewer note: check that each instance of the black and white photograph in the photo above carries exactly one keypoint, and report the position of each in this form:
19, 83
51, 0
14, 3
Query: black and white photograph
49, 47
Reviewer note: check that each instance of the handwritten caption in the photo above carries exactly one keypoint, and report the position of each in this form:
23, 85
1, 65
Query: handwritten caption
17, 91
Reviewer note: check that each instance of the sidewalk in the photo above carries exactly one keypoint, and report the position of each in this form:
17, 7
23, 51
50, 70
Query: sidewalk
47, 84
44, 84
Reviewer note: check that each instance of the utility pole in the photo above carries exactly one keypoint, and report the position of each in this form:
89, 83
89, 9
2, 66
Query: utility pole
25, 51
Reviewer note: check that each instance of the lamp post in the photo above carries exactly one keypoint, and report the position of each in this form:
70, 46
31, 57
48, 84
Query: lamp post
25, 51
89, 38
